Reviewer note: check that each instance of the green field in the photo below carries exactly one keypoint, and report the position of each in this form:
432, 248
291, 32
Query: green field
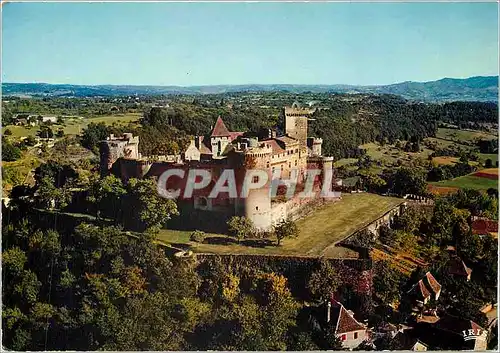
74, 126
327, 225
389, 154
463, 135
484, 156
345, 162
469, 182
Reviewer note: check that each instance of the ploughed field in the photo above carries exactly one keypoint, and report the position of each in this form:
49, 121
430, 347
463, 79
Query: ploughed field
318, 232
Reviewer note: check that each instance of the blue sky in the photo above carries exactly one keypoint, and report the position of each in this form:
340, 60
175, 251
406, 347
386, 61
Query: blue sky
241, 43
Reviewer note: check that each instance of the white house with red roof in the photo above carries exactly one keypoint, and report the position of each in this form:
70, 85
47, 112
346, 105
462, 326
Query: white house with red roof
350, 331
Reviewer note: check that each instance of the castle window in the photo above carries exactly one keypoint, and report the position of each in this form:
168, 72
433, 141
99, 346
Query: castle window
256, 208
343, 337
355, 335
255, 179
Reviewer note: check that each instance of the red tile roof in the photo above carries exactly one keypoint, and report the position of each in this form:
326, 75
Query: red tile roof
220, 129
484, 226
277, 149
433, 283
421, 290
344, 322
235, 134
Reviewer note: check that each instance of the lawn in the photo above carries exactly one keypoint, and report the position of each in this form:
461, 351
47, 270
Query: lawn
345, 161
469, 182
324, 227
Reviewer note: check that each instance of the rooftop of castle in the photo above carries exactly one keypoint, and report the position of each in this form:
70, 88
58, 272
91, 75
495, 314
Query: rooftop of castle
126, 137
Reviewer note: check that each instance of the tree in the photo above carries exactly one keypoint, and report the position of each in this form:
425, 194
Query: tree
324, 281
30, 140
285, 229
197, 236
408, 180
387, 283
10, 152
146, 208
60, 133
93, 134
106, 195
7, 132
240, 227
45, 132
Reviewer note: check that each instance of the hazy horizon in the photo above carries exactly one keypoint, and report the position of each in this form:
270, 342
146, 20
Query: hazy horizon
211, 44
247, 84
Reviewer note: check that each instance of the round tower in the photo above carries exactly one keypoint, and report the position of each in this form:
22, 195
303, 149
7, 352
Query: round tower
257, 205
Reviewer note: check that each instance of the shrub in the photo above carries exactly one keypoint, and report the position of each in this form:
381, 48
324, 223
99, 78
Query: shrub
241, 227
7, 132
197, 236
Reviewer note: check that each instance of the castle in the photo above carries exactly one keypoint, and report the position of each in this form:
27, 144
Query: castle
294, 152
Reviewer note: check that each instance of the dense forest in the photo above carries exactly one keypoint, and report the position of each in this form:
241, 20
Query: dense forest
89, 282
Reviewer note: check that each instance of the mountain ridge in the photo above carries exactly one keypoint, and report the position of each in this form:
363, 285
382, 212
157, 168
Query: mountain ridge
475, 88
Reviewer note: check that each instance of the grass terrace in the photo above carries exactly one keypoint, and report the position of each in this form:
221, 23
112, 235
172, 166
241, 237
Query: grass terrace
317, 232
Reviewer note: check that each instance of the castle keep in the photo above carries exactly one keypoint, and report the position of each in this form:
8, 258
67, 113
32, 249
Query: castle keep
294, 152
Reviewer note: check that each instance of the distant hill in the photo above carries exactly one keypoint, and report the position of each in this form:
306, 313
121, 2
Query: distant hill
479, 88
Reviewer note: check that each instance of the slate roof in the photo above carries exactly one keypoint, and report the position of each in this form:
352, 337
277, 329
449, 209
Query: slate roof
220, 129
342, 320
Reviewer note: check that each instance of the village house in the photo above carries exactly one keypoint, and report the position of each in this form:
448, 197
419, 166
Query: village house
406, 341
452, 333
350, 331
425, 289
456, 267
484, 226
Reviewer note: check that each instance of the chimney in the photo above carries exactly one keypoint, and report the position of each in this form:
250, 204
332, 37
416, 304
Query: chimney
329, 308
197, 141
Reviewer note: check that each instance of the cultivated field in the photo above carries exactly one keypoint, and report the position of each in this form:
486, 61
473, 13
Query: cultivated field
326, 226
475, 180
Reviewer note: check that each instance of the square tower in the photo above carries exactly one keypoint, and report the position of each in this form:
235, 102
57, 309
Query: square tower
296, 122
